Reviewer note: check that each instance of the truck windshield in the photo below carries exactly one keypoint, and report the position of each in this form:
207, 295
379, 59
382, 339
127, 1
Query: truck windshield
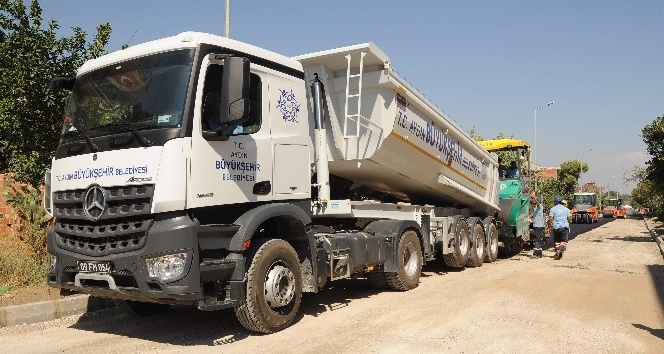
144, 93
584, 199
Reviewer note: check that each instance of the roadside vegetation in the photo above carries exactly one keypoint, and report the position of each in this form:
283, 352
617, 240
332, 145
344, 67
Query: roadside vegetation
649, 191
23, 255
31, 53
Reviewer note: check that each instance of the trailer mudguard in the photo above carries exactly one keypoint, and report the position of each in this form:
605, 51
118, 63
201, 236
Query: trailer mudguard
391, 230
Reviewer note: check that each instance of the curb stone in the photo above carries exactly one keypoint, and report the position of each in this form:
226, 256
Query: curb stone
658, 240
51, 310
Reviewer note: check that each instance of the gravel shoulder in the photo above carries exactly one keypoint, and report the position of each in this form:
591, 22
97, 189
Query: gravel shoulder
606, 295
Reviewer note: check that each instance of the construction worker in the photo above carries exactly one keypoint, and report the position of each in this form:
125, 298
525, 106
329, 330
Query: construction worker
559, 219
502, 169
512, 171
537, 218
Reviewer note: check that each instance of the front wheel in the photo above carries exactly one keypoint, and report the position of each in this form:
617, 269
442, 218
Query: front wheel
409, 263
273, 290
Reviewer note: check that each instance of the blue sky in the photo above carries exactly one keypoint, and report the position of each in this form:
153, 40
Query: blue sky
487, 64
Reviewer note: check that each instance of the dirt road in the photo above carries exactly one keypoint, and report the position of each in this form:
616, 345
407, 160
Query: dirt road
605, 296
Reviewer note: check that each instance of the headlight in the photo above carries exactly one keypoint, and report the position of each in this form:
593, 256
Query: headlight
167, 267
52, 263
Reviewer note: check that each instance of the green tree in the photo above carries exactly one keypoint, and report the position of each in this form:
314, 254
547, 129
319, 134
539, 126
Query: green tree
653, 136
649, 191
30, 55
564, 186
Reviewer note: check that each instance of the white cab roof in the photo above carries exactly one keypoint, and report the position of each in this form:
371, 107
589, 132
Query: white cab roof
186, 40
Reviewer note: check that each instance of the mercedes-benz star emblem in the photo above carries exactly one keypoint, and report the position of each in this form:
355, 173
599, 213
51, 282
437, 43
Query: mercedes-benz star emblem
94, 203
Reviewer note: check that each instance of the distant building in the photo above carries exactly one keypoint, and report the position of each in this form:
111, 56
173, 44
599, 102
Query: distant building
590, 187
549, 172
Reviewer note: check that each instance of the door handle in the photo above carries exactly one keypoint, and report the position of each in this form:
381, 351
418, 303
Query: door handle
262, 187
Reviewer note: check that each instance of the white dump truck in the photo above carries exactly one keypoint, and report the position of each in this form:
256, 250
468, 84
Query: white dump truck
199, 170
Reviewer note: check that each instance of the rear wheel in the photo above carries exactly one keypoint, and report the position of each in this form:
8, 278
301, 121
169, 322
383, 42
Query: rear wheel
461, 246
491, 250
409, 263
476, 257
138, 308
273, 290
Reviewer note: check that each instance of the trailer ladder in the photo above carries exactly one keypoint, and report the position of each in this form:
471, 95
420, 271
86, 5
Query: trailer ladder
352, 120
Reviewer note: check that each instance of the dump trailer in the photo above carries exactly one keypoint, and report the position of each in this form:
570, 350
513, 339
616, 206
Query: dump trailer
584, 208
614, 208
514, 195
199, 170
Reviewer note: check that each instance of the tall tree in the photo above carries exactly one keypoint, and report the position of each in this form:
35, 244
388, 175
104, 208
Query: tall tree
650, 189
30, 55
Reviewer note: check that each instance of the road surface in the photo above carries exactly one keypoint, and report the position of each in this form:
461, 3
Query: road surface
604, 296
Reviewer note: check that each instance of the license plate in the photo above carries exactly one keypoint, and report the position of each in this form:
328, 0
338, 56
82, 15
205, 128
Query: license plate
94, 267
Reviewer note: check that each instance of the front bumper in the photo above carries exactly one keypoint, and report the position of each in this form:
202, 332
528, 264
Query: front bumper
129, 278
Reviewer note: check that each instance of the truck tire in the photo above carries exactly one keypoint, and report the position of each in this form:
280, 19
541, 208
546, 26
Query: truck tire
139, 308
274, 288
491, 250
378, 279
459, 256
476, 257
409, 263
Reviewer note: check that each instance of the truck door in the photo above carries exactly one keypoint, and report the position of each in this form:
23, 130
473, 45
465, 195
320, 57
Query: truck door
237, 170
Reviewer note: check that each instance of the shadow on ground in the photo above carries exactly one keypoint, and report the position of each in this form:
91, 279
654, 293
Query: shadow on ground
659, 333
188, 326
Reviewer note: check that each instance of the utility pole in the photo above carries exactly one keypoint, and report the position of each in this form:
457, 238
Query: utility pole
227, 29
535, 142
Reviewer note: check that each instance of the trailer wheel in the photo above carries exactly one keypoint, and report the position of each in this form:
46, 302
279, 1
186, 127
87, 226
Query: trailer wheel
461, 246
491, 251
273, 290
476, 257
409, 263
139, 308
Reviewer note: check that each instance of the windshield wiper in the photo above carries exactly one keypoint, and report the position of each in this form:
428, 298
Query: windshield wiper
84, 134
131, 128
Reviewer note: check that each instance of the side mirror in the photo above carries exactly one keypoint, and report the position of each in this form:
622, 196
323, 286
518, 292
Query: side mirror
61, 83
235, 91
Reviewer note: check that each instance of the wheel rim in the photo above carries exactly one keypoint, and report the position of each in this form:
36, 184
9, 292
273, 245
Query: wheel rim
463, 239
410, 259
279, 286
479, 241
493, 243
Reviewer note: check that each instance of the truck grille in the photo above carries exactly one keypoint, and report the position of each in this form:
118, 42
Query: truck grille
122, 227
125, 201
102, 240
